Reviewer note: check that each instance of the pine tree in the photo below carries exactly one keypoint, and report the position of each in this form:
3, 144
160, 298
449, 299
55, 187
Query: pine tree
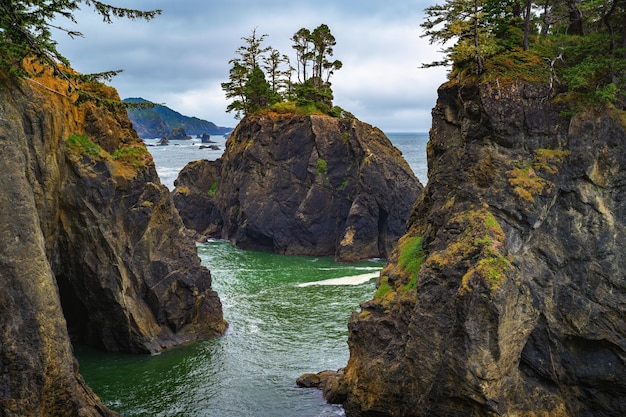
25, 32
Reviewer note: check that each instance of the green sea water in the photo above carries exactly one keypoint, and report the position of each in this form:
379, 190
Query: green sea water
279, 328
282, 323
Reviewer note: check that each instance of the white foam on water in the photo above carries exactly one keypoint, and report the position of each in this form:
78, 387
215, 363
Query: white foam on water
349, 280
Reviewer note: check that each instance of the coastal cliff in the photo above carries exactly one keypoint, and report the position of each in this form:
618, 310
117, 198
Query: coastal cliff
307, 185
507, 294
92, 249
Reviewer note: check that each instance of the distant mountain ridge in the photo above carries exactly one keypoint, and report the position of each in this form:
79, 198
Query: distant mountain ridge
158, 121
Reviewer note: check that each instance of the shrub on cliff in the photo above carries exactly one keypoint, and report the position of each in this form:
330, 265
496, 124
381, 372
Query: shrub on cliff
579, 48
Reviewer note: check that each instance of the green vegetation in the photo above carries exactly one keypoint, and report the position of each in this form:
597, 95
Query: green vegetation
261, 77
134, 155
526, 181
322, 166
82, 144
411, 256
26, 33
213, 189
478, 248
125, 161
578, 47
384, 289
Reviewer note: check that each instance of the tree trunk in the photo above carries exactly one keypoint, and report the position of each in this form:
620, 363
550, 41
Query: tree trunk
527, 24
576, 26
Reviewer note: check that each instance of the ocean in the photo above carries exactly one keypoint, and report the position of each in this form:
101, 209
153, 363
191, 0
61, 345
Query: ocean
288, 316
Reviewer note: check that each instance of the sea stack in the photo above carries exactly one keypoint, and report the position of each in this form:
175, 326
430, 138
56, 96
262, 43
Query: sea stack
308, 185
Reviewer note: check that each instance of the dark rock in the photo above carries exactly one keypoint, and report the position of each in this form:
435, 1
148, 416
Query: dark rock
329, 382
206, 138
313, 185
211, 147
92, 248
163, 142
518, 305
178, 133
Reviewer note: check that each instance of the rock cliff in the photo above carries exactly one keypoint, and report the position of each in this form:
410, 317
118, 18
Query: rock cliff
309, 185
506, 297
91, 247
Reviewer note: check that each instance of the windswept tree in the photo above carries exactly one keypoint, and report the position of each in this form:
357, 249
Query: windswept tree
247, 83
463, 22
251, 53
260, 76
26, 32
304, 52
579, 45
257, 91
273, 64
235, 89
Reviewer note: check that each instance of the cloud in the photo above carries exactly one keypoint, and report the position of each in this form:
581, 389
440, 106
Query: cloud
181, 57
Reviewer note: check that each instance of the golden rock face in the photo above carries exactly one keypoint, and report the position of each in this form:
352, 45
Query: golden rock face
93, 250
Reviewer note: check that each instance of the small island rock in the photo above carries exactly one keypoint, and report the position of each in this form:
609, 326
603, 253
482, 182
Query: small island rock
308, 185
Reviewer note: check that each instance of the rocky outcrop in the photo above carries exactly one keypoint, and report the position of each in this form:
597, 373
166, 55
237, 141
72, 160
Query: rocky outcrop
506, 297
178, 133
91, 243
309, 185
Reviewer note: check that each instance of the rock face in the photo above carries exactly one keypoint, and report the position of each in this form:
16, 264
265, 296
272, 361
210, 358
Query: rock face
518, 306
310, 185
91, 243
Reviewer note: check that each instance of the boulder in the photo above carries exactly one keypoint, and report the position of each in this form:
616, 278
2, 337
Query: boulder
308, 185
506, 296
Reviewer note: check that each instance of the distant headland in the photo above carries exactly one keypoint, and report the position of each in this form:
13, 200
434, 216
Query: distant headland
158, 121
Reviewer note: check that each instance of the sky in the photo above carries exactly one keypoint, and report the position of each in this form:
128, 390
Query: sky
180, 58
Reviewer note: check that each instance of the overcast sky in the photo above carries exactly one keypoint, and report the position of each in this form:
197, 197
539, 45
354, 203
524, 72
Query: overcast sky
181, 57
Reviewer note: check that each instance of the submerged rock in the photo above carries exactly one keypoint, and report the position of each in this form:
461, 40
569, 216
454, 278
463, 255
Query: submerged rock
517, 308
309, 185
91, 247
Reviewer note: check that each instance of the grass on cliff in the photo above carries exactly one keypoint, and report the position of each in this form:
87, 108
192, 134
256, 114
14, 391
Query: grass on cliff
82, 144
322, 166
125, 161
410, 259
305, 109
136, 156
213, 189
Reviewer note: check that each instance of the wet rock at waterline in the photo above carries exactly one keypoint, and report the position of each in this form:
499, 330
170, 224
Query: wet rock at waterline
309, 185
